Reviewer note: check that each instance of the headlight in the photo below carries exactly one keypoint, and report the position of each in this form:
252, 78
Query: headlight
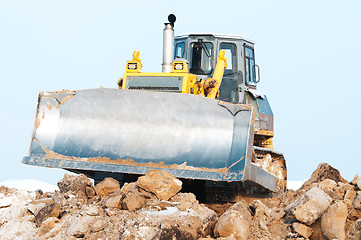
178, 66
132, 66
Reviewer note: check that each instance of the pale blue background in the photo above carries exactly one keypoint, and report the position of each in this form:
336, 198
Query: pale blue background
309, 54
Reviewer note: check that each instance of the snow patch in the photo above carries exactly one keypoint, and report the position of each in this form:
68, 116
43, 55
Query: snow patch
168, 211
295, 185
29, 185
5, 202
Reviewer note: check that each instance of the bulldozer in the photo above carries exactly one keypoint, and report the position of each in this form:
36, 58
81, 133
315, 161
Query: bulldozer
200, 119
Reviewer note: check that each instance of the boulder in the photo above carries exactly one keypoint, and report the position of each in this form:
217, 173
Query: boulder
350, 195
193, 223
357, 201
106, 187
163, 184
180, 228
114, 201
79, 226
355, 230
141, 228
51, 210
302, 229
323, 171
133, 201
316, 231
35, 208
184, 201
47, 225
356, 181
127, 187
327, 184
310, 206
355, 209
92, 210
333, 221
235, 222
78, 185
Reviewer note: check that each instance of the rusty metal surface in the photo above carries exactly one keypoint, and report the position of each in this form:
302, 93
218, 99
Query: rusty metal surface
132, 131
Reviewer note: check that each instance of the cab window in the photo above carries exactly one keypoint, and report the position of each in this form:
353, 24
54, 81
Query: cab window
179, 50
201, 57
249, 65
229, 87
230, 51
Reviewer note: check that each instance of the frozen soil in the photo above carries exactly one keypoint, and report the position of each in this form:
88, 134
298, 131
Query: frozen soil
325, 207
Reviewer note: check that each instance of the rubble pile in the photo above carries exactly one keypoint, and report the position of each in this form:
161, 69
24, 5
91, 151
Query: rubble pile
325, 207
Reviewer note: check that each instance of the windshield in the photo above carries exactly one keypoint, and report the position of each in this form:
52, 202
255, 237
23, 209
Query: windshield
201, 57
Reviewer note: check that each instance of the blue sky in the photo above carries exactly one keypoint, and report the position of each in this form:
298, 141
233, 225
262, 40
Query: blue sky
308, 51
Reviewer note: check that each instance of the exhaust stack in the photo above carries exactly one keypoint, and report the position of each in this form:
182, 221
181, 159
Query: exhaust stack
168, 44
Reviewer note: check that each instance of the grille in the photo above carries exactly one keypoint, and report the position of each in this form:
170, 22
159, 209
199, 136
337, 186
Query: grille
154, 88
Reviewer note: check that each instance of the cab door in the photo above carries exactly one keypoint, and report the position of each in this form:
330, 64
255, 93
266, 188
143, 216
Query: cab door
229, 87
250, 66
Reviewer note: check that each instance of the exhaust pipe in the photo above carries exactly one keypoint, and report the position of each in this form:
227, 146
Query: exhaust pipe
168, 44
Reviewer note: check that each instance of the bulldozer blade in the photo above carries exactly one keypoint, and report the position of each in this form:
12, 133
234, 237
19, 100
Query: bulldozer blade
131, 131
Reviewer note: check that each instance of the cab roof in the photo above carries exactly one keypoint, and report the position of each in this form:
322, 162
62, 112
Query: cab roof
216, 35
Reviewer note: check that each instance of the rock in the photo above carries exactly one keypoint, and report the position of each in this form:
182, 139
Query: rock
133, 201
355, 209
341, 189
323, 171
350, 195
35, 208
234, 222
184, 201
77, 185
142, 228
52, 210
310, 206
302, 229
90, 192
316, 231
261, 211
208, 219
107, 186
174, 228
92, 211
165, 205
163, 184
327, 184
357, 201
127, 187
261, 215
190, 224
333, 195
114, 202
333, 221
356, 181
47, 225
98, 226
355, 230
79, 226
110, 212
